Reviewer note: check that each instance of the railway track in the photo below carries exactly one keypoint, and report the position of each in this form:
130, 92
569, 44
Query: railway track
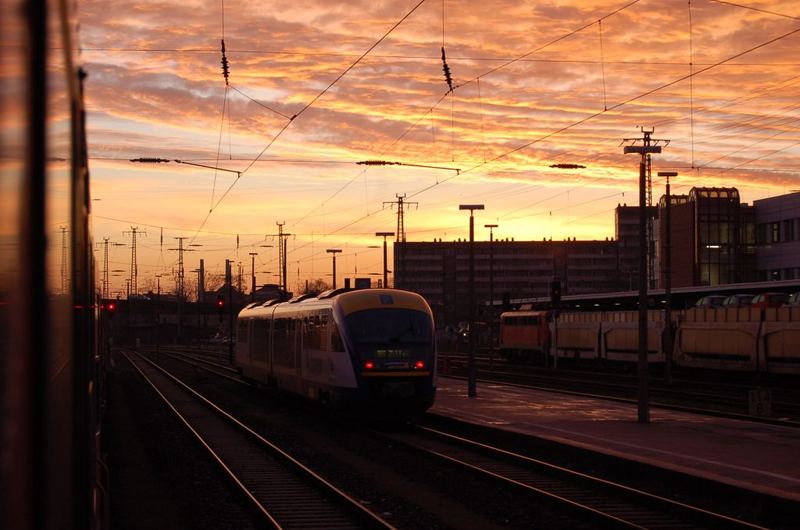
284, 492
200, 361
601, 502
690, 395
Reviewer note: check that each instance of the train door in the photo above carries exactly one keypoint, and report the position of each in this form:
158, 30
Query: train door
258, 344
298, 347
243, 343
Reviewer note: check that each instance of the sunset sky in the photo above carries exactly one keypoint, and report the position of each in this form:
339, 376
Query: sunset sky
536, 83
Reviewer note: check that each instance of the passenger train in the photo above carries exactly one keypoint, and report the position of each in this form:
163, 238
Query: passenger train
52, 473
369, 349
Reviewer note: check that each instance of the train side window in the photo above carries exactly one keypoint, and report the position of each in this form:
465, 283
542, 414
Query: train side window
258, 346
283, 338
336, 340
241, 332
308, 332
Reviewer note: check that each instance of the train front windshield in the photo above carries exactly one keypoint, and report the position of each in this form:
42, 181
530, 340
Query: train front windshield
391, 337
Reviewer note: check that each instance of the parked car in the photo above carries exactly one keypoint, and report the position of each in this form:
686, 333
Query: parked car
710, 301
770, 300
738, 300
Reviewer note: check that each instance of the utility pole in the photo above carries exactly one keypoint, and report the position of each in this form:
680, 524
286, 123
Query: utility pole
668, 343
64, 276
179, 286
385, 268
472, 374
158, 314
400, 233
228, 282
105, 268
197, 306
201, 283
106, 242
647, 147
253, 276
333, 252
491, 228
134, 267
282, 247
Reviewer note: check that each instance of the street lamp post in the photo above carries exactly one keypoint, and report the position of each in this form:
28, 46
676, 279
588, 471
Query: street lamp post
385, 268
472, 370
333, 252
491, 228
668, 280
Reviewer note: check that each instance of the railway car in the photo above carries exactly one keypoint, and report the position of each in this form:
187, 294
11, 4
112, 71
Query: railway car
51, 385
745, 339
370, 349
524, 334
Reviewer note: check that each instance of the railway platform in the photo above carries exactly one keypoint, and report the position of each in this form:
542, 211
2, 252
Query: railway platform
750, 455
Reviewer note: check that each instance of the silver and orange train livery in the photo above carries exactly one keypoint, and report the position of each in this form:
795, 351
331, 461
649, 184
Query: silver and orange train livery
371, 348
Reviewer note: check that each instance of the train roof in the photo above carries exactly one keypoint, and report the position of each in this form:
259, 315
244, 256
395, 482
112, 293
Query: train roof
524, 313
350, 300
696, 291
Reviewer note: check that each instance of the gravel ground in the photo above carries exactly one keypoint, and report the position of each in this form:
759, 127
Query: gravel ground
408, 490
166, 481
160, 477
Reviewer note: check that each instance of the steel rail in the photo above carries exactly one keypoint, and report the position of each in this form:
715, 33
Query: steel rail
606, 502
283, 490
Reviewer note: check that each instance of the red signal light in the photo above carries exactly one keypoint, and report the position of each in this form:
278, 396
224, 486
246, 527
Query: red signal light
419, 365
369, 365
112, 307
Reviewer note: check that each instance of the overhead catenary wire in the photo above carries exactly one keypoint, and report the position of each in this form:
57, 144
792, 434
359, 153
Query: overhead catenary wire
548, 44
509, 63
306, 107
691, 81
310, 103
751, 8
613, 107
484, 156
602, 64
219, 144
279, 113
480, 107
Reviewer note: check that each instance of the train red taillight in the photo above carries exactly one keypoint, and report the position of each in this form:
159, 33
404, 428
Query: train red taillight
369, 365
419, 365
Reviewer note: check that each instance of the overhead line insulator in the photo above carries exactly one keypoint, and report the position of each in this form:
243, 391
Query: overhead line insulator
568, 166
377, 163
150, 160
446, 70
224, 61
